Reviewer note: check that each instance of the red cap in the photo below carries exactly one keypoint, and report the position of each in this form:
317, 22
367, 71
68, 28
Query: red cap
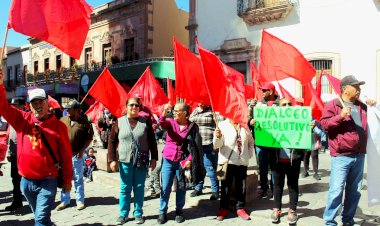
268, 85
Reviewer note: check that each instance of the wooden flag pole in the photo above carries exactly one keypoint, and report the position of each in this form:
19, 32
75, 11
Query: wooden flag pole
3, 50
341, 101
84, 98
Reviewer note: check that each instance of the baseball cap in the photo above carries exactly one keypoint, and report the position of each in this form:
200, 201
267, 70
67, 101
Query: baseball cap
73, 104
268, 85
36, 94
18, 101
350, 80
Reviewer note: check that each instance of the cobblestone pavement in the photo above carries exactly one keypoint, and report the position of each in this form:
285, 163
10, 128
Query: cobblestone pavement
102, 206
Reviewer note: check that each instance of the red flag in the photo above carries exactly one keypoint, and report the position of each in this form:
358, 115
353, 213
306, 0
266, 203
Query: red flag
255, 83
285, 93
280, 60
248, 92
226, 97
110, 93
53, 103
152, 94
318, 86
171, 94
335, 83
316, 103
62, 23
95, 112
189, 80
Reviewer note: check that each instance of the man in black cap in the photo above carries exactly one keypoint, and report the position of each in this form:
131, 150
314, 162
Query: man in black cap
345, 121
19, 103
80, 134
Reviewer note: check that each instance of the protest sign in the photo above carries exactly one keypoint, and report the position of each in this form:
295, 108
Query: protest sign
287, 127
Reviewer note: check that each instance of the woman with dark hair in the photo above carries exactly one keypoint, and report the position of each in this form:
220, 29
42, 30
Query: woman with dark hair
131, 140
182, 152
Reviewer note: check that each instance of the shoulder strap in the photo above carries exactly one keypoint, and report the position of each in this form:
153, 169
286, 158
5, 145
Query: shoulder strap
188, 130
44, 141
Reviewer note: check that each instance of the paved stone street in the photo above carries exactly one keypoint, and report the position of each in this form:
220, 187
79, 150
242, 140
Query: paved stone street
102, 205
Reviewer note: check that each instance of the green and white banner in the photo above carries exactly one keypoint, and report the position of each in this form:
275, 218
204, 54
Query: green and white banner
287, 127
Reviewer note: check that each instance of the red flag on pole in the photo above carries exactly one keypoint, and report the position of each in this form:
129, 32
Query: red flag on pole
335, 83
316, 103
53, 103
62, 23
190, 83
226, 96
280, 60
152, 94
171, 94
95, 112
254, 75
110, 93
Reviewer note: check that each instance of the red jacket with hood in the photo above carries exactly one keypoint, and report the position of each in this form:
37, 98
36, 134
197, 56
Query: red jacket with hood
33, 158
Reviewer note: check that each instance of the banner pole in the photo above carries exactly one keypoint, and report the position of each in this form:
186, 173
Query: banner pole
3, 49
84, 98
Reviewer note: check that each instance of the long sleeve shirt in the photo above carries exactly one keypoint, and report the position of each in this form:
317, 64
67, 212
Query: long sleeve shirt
174, 138
228, 142
205, 122
34, 159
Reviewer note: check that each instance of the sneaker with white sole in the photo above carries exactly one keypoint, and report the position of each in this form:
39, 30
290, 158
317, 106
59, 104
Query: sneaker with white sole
61, 206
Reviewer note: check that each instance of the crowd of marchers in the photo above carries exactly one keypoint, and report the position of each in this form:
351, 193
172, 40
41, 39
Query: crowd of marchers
47, 152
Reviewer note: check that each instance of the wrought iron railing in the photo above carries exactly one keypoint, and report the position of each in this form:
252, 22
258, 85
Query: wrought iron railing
246, 5
73, 73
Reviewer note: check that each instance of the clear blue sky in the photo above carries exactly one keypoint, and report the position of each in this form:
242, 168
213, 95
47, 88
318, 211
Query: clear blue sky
16, 39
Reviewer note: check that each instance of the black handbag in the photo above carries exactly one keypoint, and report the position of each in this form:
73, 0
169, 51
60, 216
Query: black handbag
140, 158
56, 163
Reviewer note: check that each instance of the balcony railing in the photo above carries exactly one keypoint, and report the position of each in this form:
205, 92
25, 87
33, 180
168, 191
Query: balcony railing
70, 74
262, 11
62, 75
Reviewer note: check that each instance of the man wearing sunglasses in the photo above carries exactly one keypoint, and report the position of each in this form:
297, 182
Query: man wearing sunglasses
345, 121
269, 98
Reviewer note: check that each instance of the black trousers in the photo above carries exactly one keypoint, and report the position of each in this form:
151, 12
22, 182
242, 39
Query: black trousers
291, 171
314, 159
237, 174
16, 179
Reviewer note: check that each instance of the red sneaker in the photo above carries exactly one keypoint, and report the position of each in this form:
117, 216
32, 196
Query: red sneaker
243, 215
222, 214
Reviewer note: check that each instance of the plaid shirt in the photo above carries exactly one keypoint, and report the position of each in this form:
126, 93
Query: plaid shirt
205, 121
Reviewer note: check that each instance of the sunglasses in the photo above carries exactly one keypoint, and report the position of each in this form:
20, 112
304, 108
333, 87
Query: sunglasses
265, 90
286, 104
134, 105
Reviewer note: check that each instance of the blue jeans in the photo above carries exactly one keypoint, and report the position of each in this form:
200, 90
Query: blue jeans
346, 175
78, 182
40, 195
169, 170
210, 161
131, 178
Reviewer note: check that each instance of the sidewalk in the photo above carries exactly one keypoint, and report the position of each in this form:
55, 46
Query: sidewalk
102, 206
